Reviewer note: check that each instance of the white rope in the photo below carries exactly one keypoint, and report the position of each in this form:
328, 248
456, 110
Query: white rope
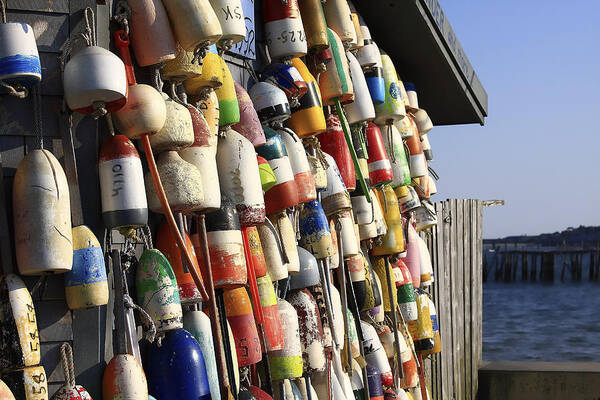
66, 354
3, 11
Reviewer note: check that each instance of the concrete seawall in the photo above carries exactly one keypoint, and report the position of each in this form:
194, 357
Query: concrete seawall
539, 381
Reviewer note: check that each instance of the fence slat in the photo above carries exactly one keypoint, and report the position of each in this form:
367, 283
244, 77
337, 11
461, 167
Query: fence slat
467, 287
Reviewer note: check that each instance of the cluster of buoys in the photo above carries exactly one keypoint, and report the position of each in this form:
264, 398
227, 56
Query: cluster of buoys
289, 263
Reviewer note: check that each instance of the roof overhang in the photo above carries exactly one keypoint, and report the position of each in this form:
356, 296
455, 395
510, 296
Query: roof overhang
418, 37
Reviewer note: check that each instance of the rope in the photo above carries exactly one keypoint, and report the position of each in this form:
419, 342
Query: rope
200, 52
37, 114
147, 237
390, 140
90, 27
3, 11
16, 90
150, 333
122, 14
66, 359
313, 143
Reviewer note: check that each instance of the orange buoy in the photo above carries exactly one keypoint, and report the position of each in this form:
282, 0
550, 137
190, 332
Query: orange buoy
239, 314
418, 165
256, 252
410, 377
315, 27
268, 301
380, 167
335, 82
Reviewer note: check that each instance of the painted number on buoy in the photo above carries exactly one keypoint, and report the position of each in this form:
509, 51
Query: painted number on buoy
117, 181
33, 336
229, 14
292, 36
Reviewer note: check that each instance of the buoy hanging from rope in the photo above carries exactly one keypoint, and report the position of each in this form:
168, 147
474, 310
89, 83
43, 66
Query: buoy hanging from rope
407, 198
423, 121
194, 22
426, 267
211, 78
284, 32
333, 142
144, 113
335, 197
395, 149
314, 230
315, 27
418, 165
273, 251
406, 293
287, 78
148, 21
177, 131
335, 82
362, 108
70, 391
249, 125
305, 181
437, 341
241, 319
307, 118
421, 330
392, 108
413, 255
18, 54
380, 167
28, 383
413, 99
231, 18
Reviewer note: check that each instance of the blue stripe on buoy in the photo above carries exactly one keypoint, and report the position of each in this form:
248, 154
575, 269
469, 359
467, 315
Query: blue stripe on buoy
24, 69
88, 267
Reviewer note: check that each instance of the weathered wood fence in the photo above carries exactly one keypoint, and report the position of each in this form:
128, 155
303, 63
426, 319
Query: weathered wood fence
456, 251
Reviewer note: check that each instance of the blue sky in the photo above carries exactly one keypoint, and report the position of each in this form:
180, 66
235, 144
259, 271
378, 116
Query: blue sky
539, 150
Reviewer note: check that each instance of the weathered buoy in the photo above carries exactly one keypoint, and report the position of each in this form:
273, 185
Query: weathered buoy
375, 354
194, 22
425, 216
395, 149
311, 330
406, 293
418, 165
305, 181
19, 56
308, 118
315, 27
144, 113
334, 143
239, 314
124, 376
314, 230
335, 82
211, 78
287, 78
413, 256
413, 99
231, 18
176, 368
309, 273
177, 131
259, 394
165, 242
249, 125
350, 242
392, 108
70, 391
229, 110
239, 177
272, 250
380, 167
423, 121
334, 259
20, 341
284, 32
256, 251
86, 284
287, 363
270, 102
197, 323
226, 248
285, 192
368, 56
393, 240
182, 183
318, 171
378, 264
157, 292
426, 267
335, 196
267, 176
406, 126
202, 154
183, 67
409, 365
268, 301
360, 40
5, 393
407, 198
361, 109
94, 78
30, 383
149, 21
284, 227
374, 381
42, 215
209, 106
421, 330
337, 15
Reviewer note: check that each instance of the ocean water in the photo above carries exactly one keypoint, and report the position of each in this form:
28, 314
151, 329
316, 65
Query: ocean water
539, 322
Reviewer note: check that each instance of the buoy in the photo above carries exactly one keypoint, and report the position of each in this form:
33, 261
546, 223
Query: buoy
20, 340
423, 121
285, 192
176, 368
318, 171
368, 56
270, 102
335, 82
378, 264
144, 113
409, 365
287, 236
361, 109
202, 154
334, 144
377, 312
284, 32
334, 259
425, 216
315, 27
229, 110
249, 125
182, 183
267, 176
361, 208
338, 317
183, 67
413, 256
149, 21
5, 393
157, 292
226, 248
309, 271
311, 330
374, 381
305, 181
231, 18
165, 242
407, 198
42, 215
308, 118
19, 54
30, 383
437, 341
70, 391
194, 23
339, 19
406, 293
393, 240
211, 78
348, 234
426, 267
335, 197
268, 301
403, 92
94, 78
314, 230
376, 83
375, 354
197, 323
239, 177
287, 78
287, 363
239, 314
259, 394
360, 40
86, 284
421, 330
413, 99
306, 388
177, 131
392, 108
418, 165
406, 126
380, 167
426, 147
209, 106
395, 149
272, 250
256, 251
358, 386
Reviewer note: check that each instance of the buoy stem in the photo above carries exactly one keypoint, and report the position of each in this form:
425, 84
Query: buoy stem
342, 282
393, 306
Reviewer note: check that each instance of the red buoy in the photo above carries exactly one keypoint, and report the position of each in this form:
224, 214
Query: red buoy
334, 143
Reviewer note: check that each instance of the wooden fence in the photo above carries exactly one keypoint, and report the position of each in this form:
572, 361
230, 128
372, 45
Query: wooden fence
456, 250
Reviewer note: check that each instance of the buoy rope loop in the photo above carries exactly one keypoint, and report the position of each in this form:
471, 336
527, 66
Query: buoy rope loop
17, 90
200, 52
66, 359
3, 11
150, 333
122, 14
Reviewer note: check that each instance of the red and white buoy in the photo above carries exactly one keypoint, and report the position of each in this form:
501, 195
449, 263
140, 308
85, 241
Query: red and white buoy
284, 32
380, 168
305, 181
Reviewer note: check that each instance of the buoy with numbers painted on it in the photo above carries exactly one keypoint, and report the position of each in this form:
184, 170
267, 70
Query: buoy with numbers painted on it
20, 340
284, 31
249, 125
19, 55
392, 108
157, 291
239, 314
308, 118
334, 144
42, 215
122, 187
149, 20
270, 102
305, 181
338, 17
394, 145
30, 383
268, 302
239, 177
231, 18
229, 109
362, 108
194, 22
5, 393
315, 27
203, 155
380, 167
287, 363
165, 242
177, 131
